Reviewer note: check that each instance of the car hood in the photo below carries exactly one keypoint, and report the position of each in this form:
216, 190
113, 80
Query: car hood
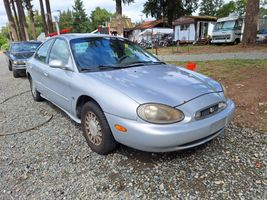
21, 55
164, 84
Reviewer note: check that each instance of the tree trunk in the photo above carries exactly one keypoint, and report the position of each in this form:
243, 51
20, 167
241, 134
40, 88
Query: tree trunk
49, 16
31, 16
16, 18
43, 17
251, 21
11, 21
21, 21
118, 8
119, 17
25, 25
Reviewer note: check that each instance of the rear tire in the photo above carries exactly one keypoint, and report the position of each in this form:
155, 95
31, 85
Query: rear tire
35, 94
96, 129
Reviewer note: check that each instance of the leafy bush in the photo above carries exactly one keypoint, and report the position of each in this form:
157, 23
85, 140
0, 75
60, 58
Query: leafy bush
4, 46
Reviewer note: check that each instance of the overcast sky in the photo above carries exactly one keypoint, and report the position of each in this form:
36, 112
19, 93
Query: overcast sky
133, 10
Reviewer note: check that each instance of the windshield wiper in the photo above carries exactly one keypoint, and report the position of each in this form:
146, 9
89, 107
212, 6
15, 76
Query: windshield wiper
142, 63
99, 67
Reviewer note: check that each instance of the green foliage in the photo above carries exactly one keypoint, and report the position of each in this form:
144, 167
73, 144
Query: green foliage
3, 38
80, 19
171, 9
210, 7
65, 19
226, 9
99, 16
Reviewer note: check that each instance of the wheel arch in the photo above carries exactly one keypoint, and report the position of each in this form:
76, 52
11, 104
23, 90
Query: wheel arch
81, 101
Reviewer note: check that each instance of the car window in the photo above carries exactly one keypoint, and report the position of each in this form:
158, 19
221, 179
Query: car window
93, 52
60, 51
42, 53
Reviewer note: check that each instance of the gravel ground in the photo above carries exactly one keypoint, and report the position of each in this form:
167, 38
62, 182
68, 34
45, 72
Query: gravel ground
214, 56
54, 161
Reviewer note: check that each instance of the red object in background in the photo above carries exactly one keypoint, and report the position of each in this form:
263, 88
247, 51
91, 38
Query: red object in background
191, 66
63, 31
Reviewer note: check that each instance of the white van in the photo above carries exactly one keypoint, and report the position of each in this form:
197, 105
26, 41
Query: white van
228, 30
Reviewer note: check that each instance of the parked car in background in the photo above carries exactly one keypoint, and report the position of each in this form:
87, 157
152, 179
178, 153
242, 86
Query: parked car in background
121, 93
262, 36
17, 55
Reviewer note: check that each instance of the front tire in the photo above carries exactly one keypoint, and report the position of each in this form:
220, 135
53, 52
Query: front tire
9, 66
35, 94
96, 129
15, 74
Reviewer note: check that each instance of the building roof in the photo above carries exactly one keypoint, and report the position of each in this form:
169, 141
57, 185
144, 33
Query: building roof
127, 23
152, 24
192, 19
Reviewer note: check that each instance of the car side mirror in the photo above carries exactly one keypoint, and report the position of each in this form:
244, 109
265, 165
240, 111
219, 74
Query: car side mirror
57, 64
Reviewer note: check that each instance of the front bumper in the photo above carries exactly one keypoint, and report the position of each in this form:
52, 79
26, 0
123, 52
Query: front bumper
19, 67
172, 137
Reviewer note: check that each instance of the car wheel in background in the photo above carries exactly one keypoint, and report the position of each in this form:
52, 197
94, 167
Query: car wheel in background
96, 129
9, 66
35, 94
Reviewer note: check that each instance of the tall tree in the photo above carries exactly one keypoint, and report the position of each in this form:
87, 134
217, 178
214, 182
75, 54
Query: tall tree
29, 7
99, 16
11, 20
65, 19
251, 20
210, 7
16, 18
170, 9
43, 17
22, 21
119, 14
226, 9
81, 22
49, 16
119, 6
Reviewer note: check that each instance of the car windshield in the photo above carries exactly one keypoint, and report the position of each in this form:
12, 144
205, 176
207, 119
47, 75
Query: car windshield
108, 53
24, 47
227, 25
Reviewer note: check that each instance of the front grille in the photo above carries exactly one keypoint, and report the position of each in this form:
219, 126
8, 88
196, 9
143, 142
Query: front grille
221, 37
208, 111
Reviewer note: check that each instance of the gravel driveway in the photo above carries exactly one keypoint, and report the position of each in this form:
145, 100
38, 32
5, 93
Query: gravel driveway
215, 56
53, 161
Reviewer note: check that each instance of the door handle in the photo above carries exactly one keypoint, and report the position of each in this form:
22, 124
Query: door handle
45, 74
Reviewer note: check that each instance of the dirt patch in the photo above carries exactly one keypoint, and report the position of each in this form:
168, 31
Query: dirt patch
246, 84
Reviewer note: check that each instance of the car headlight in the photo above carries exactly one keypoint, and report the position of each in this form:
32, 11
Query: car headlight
19, 62
159, 113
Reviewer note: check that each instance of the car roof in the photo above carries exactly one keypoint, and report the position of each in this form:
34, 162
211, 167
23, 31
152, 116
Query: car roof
71, 36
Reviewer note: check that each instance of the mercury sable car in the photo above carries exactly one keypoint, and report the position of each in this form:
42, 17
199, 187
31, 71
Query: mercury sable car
17, 55
120, 93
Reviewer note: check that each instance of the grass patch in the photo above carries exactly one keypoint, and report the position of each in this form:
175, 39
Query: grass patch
226, 67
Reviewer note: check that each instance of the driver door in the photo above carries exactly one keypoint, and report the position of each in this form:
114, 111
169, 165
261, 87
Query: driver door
57, 80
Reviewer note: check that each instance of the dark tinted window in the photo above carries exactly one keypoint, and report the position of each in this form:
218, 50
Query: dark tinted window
24, 47
60, 51
41, 54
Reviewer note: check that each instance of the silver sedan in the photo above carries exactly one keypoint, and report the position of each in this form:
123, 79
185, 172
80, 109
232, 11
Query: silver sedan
121, 93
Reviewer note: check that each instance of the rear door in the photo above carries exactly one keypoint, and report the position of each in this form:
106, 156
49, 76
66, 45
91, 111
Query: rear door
57, 81
38, 64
